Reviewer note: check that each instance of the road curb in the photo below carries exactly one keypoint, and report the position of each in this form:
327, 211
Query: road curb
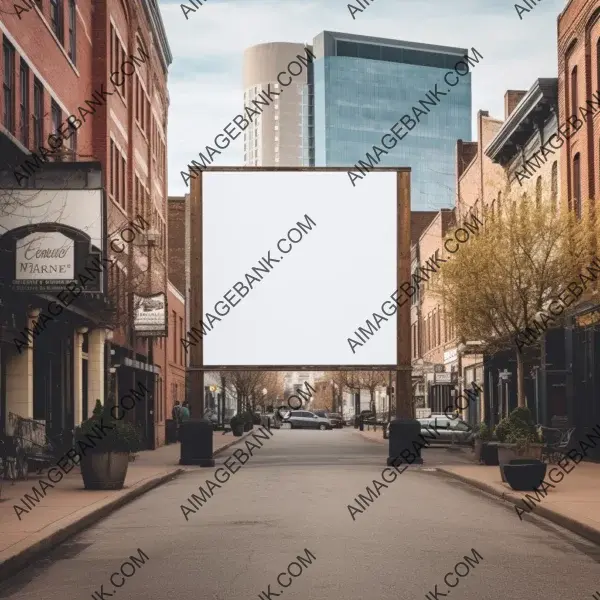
585, 531
234, 441
14, 564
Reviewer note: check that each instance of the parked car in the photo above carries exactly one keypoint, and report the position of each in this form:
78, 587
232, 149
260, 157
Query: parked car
336, 420
448, 431
303, 419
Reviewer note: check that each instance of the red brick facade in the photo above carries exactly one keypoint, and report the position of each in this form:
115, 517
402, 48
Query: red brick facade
578, 82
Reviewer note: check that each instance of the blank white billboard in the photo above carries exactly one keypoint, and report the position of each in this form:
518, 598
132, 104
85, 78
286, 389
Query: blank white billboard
294, 263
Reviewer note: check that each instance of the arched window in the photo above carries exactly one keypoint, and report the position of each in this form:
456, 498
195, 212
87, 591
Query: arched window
538, 192
574, 100
577, 185
598, 64
554, 184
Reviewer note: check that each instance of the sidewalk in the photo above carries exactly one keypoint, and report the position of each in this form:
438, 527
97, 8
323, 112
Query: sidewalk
573, 503
372, 436
68, 508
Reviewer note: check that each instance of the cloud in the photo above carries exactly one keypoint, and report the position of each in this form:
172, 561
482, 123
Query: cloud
205, 79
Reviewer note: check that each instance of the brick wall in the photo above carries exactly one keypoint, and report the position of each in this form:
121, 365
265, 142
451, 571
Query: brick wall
578, 35
176, 356
511, 99
177, 241
37, 46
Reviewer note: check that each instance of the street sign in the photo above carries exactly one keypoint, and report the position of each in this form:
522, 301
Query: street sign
443, 378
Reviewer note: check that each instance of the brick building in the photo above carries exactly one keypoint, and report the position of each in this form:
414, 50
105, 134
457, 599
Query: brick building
176, 357
178, 242
87, 81
578, 96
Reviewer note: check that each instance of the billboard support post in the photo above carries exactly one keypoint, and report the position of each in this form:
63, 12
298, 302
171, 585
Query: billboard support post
404, 429
197, 433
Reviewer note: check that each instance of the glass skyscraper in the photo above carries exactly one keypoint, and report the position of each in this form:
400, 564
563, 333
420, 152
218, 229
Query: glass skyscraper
360, 86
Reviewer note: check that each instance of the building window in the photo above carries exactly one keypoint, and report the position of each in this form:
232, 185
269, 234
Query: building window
9, 86
24, 103
577, 185
175, 336
73, 142
72, 32
38, 113
598, 64
56, 114
123, 188
574, 91
538, 192
554, 184
56, 16
180, 346
111, 162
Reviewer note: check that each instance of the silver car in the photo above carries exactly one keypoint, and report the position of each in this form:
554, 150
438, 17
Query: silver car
304, 419
447, 431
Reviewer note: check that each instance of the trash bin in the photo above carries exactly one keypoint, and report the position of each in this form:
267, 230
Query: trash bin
171, 431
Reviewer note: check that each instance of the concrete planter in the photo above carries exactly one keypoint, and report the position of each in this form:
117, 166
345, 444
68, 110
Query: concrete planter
104, 471
508, 452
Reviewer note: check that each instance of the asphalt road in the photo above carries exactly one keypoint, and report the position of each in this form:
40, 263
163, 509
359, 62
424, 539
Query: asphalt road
292, 496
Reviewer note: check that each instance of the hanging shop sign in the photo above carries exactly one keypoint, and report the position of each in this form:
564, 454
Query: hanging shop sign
150, 318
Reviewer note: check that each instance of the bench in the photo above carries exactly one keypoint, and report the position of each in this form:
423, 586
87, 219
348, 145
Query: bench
31, 445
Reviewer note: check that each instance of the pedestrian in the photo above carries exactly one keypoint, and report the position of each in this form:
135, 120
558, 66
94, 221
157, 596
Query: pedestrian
185, 411
175, 412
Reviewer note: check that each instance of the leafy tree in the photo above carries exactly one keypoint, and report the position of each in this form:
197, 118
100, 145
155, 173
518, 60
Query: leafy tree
499, 281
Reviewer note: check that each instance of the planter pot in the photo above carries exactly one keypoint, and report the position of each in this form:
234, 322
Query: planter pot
525, 474
247, 426
508, 452
104, 471
238, 430
489, 454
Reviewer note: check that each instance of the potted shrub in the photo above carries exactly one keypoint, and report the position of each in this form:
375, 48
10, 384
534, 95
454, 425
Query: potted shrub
106, 454
237, 425
518, 438
256, 418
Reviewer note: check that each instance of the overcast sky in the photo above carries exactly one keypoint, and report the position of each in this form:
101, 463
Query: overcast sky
205, 79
